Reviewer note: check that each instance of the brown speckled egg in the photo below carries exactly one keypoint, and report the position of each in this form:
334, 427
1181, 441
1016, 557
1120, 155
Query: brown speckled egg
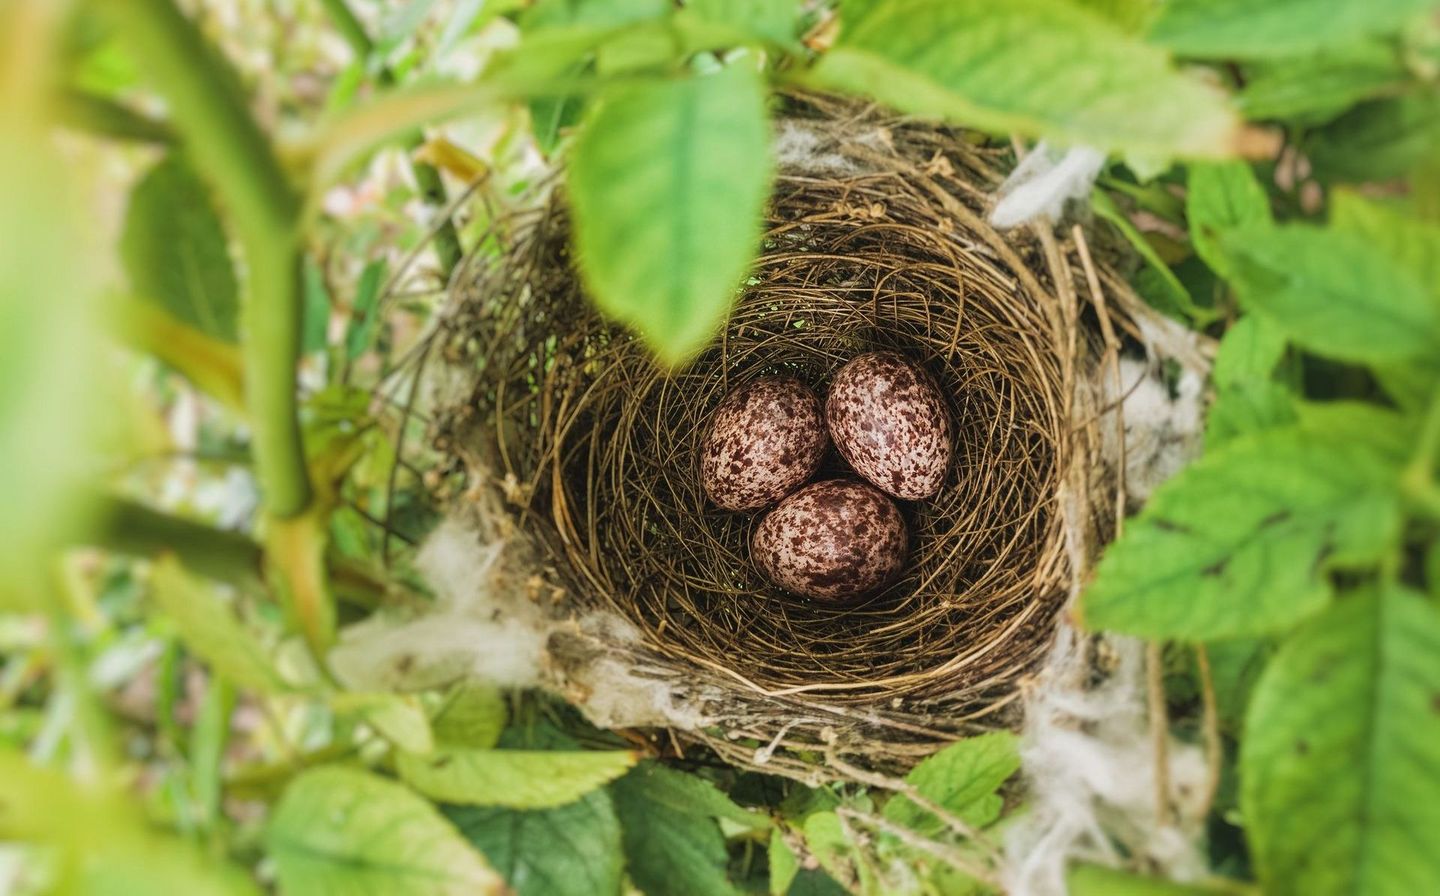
889, 421
765, 439
832, 541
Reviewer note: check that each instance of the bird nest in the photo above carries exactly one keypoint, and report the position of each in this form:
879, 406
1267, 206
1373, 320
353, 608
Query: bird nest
876, 240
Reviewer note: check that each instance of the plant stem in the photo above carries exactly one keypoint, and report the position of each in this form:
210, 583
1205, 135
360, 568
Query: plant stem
210, 114
427, 177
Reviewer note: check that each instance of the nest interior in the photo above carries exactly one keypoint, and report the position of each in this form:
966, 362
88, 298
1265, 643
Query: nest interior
875, 239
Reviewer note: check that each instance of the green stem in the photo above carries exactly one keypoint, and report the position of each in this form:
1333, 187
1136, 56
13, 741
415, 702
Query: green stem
211, 115
427, 178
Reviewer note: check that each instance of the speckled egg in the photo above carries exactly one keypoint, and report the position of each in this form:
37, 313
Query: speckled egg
889, 421
765, 439
832, 541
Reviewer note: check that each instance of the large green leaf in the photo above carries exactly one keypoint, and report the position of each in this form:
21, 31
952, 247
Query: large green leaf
341, 832
1377, 140
962, 778
672, 847
1317, 87
1340, 764
175, 251
519, 779
1333, 293
1220, 197
667, 184
1036, 67
1240, 542
571, 850
208, 627
1411, 242
1270, 28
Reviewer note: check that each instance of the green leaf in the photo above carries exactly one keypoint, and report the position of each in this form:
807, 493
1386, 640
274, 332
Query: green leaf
1410, 242
345, 831
1377, 140
1333, 293
1340, 764
962, 778
1035, 67
775, 21
175, 252
784, 864
473, 716
672, 845
1222, 197
1315, 88
518, 779
1239, 543
365, 312
399, 718
689, 793
591, 13
571, 850
667, 183
838, 855
1133, 16
1247, 29
314, 335
1246, 409
209, 629
208, 739
1247, 399
1250, 351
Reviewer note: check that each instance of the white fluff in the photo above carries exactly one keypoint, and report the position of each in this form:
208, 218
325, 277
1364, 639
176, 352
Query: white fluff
1043, 181
477, 628
488, 624
1163, 433
1090, 770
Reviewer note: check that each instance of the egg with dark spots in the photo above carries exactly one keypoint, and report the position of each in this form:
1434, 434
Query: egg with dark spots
832, 541
890, 423
765, 439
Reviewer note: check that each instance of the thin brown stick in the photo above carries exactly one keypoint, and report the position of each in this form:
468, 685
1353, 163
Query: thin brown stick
1210, 721
1159, 729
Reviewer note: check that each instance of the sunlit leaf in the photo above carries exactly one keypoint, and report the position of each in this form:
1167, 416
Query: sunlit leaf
1333, 293
1240, 542
519, 779
175, 250
345, 831
208, 627
1036, 67
667, 184
1221, 197
1340, 764
1247, 29
962, 778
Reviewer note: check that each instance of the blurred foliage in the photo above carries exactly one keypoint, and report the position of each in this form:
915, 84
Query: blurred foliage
225, 225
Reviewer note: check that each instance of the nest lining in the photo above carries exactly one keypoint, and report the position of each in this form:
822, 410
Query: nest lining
875, 240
